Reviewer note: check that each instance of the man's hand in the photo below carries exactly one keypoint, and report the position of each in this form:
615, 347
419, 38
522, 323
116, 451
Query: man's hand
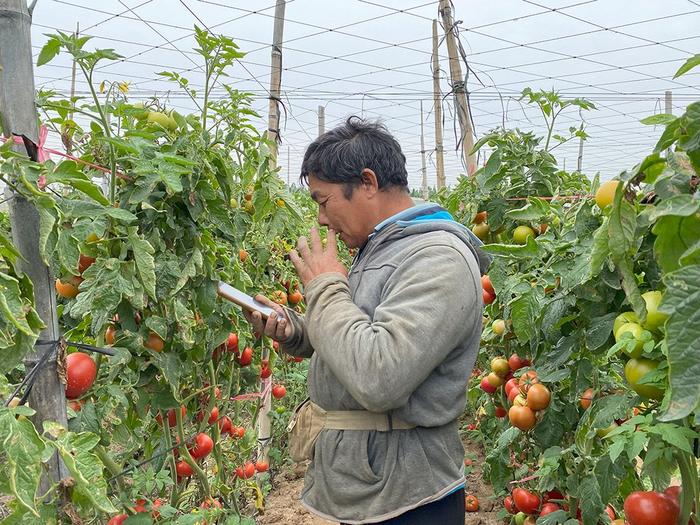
277, 326
314, 261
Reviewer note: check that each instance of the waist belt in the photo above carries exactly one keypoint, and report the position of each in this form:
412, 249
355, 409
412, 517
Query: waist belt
363, 420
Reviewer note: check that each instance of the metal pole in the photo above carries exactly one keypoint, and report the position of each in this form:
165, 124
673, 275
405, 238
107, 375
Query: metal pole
424, 179
437, 103
668, 99
289, 164
579, 161
275, 81
264, 423
19, 115
458, 88
321, 120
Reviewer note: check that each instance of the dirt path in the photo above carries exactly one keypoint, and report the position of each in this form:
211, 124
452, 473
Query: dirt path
283, 506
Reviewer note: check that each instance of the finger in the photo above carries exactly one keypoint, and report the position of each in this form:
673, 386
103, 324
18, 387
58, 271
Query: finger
303, 248
332, 244
256, 321
316, 246
281, 328
271, 325
265, 300
299, 265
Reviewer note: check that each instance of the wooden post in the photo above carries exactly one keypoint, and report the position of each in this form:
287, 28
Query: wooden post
276, 81
321, 120
424, 178
264, 423
47, 396
437, 103
458, 88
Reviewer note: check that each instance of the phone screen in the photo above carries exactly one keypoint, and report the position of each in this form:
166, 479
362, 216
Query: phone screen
242, 299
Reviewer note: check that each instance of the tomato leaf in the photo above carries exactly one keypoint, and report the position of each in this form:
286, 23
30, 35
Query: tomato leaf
524, 311
49, 51
145, 263
682, 302
589, 495
689, 64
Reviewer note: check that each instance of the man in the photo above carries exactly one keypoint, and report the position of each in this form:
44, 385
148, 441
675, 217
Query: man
397, 335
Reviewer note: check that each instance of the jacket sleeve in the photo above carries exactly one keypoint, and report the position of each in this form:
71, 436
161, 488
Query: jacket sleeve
298, 345
428, 309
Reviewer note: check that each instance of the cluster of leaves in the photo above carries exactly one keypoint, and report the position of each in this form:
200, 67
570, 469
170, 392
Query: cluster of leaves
185, 196
560, 294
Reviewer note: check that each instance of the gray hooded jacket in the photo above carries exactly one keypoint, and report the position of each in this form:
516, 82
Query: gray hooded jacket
399, 335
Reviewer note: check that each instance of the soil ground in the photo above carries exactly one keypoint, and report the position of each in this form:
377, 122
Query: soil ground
284, 508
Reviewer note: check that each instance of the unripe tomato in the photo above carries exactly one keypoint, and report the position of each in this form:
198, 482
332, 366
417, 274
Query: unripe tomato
538, 397
655, 319
203, 445
605, 195
81, 371
498, 327
494, 380
481, 230
521, 417
499, 366
624, 318
636, 369
635, 331
522, 233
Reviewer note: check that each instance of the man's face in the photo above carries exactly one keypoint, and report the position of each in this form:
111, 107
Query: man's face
348, 217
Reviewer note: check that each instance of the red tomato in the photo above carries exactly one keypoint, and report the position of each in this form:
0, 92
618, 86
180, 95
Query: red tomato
511, 384
487, 387
644, 508
140, 506
203, 445
225, 425
295, 297
500, 412
262, 466
232, 343
265, 372
118, 520
487, 297
526, 501
183, 469
110, 335
211, 502
471, 503
509, 504
80, 374
213, 416
246, 356
486, 284
278, 391
515, 363
538, 397
248, 470
238, 432
84, 262
528, 379
552, 494
548, 508
154, 342
523, 418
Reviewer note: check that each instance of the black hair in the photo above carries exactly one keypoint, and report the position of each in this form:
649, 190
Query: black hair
339, 156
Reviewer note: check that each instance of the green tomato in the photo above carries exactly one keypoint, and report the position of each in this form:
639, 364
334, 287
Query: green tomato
602, 432
655, 319
623, 318
520, 518
635, 330
162, 119
521, 234
635, 370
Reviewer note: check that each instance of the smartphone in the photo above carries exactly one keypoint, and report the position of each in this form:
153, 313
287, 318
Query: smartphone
243, 300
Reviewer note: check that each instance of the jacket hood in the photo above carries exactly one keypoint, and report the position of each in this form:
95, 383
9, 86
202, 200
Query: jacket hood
428, 217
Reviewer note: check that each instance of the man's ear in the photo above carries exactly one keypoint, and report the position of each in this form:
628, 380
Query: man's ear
368, 182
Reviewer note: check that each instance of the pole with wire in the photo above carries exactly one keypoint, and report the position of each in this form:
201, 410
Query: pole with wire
264, 422
458, 88
321, 120
437, 105
424, 172
273, 128
47, 395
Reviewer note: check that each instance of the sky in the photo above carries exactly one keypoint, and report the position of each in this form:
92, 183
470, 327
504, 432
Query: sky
373, 58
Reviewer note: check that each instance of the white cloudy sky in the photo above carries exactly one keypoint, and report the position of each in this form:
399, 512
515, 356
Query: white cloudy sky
372, 57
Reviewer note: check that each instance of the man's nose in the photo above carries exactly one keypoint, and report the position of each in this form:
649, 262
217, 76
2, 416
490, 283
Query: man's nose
322, 219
